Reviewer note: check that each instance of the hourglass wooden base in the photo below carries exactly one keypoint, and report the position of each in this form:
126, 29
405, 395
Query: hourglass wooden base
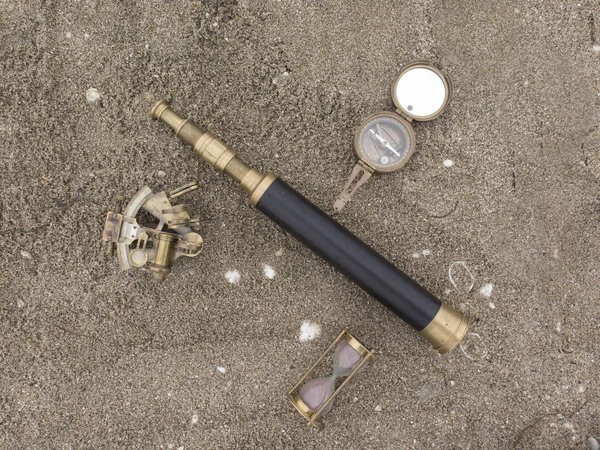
314, 417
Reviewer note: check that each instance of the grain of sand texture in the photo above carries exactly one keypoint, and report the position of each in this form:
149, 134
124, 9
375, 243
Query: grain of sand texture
505, 182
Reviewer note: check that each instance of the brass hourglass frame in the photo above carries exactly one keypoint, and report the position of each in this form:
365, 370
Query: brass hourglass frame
314, 418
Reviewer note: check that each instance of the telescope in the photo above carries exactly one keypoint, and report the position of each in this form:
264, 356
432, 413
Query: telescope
443, 326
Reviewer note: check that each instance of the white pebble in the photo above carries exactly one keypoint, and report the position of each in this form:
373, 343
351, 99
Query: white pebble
68, 35
233, 276
448, 163
491, 305
92, 95
309, 331
452, 383
592, 444
25, 254
378, 408
426, 252
279, 252
221, 369
195, 418
415, 255
596, 48
486, 290
161, 174
87, 36
269, 271
20, 303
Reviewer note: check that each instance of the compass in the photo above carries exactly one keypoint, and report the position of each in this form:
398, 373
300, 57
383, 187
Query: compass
385, 141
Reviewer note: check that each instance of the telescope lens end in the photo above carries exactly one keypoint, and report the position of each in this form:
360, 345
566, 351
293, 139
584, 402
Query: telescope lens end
447, 329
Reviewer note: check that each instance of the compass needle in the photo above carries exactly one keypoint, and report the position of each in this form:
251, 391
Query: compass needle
383, 142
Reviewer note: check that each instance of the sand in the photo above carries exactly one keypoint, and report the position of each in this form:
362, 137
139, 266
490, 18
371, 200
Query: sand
91, 357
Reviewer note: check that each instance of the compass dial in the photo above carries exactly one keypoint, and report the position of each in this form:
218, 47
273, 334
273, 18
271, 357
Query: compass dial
385, 142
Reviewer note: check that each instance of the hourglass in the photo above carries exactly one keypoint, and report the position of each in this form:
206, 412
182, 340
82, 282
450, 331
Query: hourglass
314, 399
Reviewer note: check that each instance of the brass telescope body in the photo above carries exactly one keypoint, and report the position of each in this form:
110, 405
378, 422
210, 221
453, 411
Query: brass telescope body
445, 327
214, 151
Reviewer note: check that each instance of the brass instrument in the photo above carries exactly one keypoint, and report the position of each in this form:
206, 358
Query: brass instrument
154, 247
443, 326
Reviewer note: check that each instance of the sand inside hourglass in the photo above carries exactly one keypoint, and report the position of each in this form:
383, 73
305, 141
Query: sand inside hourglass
316, 391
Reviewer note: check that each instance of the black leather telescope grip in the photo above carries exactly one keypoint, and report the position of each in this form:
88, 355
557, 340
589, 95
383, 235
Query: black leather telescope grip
344, 251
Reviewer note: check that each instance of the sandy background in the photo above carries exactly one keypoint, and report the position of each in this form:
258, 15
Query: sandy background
91, 357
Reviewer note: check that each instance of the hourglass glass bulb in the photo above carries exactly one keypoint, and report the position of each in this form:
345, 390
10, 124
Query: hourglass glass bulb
316, 392
345, 359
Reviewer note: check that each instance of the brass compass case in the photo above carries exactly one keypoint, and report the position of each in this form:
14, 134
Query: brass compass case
385, 141
396, 134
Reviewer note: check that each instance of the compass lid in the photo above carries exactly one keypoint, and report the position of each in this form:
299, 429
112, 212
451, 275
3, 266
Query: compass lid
421, 92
